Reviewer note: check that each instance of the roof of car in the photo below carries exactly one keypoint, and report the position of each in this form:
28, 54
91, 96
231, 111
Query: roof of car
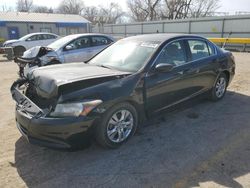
89, 34
161, 37
39, 33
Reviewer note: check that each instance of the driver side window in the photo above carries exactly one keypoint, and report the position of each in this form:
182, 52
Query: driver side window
80, 43
173, 54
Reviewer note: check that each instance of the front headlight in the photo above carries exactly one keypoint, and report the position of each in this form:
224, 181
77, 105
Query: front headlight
75, 109
7, 44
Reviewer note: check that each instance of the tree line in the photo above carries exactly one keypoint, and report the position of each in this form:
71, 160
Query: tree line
138, 10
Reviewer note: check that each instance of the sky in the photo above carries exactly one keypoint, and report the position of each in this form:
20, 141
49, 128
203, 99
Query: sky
230, 6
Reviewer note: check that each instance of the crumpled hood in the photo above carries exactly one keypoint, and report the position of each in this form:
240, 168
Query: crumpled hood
32, 52
48, 79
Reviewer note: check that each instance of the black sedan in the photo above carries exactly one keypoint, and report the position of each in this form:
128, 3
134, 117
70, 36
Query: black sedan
64, 106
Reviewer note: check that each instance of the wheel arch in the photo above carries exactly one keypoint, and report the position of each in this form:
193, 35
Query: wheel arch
20, 46
16, 48
226, 72
139, 108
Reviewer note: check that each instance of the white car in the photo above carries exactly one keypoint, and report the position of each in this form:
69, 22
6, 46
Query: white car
73, 48
28, 41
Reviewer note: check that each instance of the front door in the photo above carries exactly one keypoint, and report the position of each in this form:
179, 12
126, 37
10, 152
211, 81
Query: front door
77, 50
167, 88
13, 32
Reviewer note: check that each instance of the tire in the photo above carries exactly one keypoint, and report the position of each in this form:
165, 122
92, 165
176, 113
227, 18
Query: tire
18, 51
220, 88
9, 58
108, 132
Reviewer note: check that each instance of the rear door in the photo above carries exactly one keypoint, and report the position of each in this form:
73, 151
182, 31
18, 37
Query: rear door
34, 40
204, 59
98, 43
77, 50
48, 38
189, 76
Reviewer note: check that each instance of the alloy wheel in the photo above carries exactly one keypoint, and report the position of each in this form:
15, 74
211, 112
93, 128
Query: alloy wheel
220, 87
120, 126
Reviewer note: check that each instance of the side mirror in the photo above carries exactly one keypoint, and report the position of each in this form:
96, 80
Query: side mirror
68, 47
164, 67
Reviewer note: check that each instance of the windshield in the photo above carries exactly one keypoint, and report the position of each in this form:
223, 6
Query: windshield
26, 36
126, 55
61, 42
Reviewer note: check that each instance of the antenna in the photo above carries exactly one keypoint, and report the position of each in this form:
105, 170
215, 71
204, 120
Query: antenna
229, 34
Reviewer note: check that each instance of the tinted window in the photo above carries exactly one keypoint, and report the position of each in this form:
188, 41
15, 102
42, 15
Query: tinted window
198, 49
47, 36
211, 48
35, 37
79, 43
99, 41
173, 53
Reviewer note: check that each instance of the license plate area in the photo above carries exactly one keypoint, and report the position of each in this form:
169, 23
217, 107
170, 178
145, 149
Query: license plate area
24, 104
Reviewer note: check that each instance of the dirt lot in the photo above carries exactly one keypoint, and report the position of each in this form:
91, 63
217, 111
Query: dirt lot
204, 144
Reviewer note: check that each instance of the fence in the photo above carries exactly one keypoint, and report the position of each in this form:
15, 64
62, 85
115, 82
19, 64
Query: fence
213, 27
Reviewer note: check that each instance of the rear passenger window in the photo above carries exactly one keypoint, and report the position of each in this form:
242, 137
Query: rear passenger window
99, 41
211, 48
199, 49
50, 36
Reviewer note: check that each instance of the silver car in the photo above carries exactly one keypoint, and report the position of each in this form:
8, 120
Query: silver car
76, 48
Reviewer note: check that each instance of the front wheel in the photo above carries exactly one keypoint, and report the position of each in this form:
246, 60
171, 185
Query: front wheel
117, 125
18, 51
220, 87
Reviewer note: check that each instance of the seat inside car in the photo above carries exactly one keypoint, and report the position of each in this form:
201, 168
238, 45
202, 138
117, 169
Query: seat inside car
172, 55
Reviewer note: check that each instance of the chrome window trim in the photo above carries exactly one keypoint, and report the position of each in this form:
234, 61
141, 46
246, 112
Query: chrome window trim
182, 39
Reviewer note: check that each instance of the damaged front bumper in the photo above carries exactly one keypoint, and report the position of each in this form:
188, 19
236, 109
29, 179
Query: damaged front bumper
40, 129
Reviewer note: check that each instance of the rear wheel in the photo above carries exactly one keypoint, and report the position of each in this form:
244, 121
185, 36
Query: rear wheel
220, 87
117, 125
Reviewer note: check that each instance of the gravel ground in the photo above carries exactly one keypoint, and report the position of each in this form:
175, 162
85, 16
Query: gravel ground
201, 144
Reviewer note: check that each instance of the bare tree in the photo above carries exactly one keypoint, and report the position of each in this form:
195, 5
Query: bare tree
42, 9
71, 7
179, 9
5, 8
176, 9
24, 5
110, 14
147, 10
142, 10
91, 13
138, 10
202, 8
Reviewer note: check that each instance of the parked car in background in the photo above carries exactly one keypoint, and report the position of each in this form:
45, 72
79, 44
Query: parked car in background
74, 48
136, 77
28, 41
